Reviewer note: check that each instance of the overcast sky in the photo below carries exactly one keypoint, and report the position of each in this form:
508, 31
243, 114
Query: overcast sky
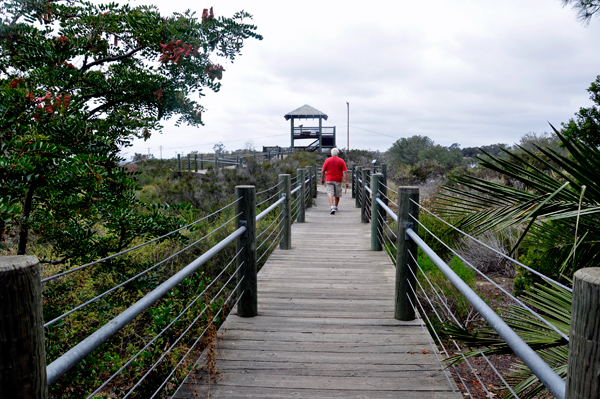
472, 72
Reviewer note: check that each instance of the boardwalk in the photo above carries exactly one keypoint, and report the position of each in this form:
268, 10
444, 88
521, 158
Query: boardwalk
325, 327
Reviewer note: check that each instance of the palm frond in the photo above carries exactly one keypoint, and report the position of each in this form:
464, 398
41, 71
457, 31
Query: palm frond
554, 304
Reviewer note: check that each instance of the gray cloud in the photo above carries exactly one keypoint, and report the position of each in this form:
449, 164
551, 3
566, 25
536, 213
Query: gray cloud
469, 72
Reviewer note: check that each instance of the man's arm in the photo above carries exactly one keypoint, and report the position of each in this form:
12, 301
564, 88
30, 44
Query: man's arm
323, 173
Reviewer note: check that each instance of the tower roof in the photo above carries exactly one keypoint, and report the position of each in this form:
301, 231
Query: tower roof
305, 112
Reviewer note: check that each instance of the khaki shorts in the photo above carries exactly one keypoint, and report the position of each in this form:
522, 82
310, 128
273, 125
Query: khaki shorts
334, 188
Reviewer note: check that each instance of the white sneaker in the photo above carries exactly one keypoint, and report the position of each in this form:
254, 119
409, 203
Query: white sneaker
333, 209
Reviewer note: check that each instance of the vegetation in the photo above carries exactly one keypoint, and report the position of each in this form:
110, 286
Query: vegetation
161, 185
78, 82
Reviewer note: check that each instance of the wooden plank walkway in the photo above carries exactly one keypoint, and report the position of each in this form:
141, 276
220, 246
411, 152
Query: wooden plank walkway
325, 327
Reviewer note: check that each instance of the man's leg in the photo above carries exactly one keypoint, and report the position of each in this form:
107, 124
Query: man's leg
337, 201
331, 200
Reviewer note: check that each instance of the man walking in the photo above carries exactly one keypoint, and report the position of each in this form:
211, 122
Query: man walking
336, 171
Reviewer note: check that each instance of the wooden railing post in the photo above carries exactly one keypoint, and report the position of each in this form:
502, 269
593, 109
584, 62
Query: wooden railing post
189, 163
366, 176
245, 208
583, 375
314, 182
22, 350
196, 163
405, 279
237, 161
286, 212
358, 186
310, 186
354, 181
376, 213
383, 189
301, 194
179, 164
201, 162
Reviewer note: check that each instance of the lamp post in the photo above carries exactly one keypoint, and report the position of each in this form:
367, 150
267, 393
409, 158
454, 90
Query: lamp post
348, 126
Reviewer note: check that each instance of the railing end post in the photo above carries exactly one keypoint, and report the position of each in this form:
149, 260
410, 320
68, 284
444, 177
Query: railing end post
22, 348
583, 375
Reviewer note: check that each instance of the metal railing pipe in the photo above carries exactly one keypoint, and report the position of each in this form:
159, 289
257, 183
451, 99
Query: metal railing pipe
539, 367
269, 209
387, 209
64, 363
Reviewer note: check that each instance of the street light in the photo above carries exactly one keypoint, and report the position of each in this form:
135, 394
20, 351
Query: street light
348, 126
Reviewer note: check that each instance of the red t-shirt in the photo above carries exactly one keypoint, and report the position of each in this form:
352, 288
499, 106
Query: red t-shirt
334, 166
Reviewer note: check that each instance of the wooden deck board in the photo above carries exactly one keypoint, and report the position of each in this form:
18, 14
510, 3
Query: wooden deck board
325, 327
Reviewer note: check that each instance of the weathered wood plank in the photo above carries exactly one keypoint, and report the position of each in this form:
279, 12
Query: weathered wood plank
325, 326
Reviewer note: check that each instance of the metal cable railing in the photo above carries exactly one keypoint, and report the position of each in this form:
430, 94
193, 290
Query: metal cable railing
137, 246
516, 300
553, 382
200, 337
137, 275
175, 328
85, 347
270, 198
276, 229
264, 213
194, 301
495, 250
275, 241
266, 228
181, 337
444, 303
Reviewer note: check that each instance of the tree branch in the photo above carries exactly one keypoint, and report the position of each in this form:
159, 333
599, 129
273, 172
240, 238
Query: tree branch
111, 59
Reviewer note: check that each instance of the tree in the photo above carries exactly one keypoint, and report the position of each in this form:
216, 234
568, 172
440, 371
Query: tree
219, 148
79, 81
492, 149
406, 150
585, 125
585, 8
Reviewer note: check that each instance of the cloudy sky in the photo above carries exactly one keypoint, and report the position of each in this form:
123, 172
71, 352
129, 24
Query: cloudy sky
472, 72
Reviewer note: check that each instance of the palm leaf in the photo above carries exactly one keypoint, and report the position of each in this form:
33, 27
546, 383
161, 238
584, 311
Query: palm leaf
554, 303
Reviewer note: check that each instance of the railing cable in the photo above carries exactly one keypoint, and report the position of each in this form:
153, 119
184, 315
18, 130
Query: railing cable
137, 246
267, 250
198, 339
518, 301
167, 327
449, 312
440, 341
181, 336
137, 275
495, 250
271, 197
